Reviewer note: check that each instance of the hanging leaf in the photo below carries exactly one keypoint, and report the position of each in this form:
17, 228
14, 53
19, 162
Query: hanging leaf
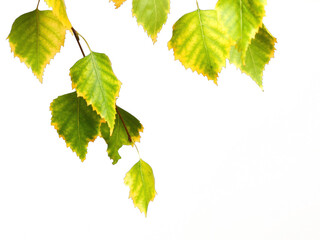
242, 19
94, 80
75, 122
200, 43
141, 182
259, 53
117, 3
151, 15
59, 9
119, 136
35, 38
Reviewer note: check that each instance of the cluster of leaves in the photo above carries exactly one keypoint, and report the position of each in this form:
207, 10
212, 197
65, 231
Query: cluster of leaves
90, 111
202, 40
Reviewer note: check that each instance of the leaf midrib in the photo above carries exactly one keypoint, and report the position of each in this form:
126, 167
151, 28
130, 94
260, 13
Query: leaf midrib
38, 38
204, 41
156, 17
78, 120
95, 68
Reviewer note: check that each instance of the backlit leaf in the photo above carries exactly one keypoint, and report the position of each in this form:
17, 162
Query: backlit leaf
59, 9
259, 53
35, 38
117, 3
242, 19
119, 135
75, 122
201, 43
94, 80
141, 182
151, 14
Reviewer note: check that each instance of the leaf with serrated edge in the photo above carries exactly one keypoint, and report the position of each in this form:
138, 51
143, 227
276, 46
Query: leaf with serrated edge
117, 3
259, 53
119, 136
200, 43
140, 180
59, 9
35, 38
75, 122
94, 80
151, 14
242, 20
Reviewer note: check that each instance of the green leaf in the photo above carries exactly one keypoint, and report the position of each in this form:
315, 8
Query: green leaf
141, 182
35, 38
259, 53
151, 14
242, 19
59, 9
117, 3
94, 80
75, 122
119, 136
201, 43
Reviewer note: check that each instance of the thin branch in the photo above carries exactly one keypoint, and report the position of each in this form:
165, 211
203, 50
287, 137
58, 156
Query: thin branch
125, 127
38, 4
76, 35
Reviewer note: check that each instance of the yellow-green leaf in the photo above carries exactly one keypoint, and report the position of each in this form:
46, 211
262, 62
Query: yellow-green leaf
75, 122
117, 3
119, 136
59, 9
242, 19
141, 182
151, 14
35, 38
94, 80
259, 53
200, 42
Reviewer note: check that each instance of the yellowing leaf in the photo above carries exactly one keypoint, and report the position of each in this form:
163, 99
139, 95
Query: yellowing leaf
151, 14
201, 43
35, 38
59, 9
117, 3
259, 53
119, 136
141, 182
242, 19
94, 80
75, 122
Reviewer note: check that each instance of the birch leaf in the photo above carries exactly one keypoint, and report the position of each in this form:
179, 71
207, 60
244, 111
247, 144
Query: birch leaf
151, 14
117, 3
94, 80
35, 38
59, 9
259, 53
140, 180
242, 19
200, 42
119, 136
75, 122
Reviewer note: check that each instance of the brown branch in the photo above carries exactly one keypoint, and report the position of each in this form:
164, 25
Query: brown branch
75, 33
125, 127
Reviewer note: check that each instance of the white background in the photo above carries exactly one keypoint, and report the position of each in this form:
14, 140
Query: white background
230, 162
